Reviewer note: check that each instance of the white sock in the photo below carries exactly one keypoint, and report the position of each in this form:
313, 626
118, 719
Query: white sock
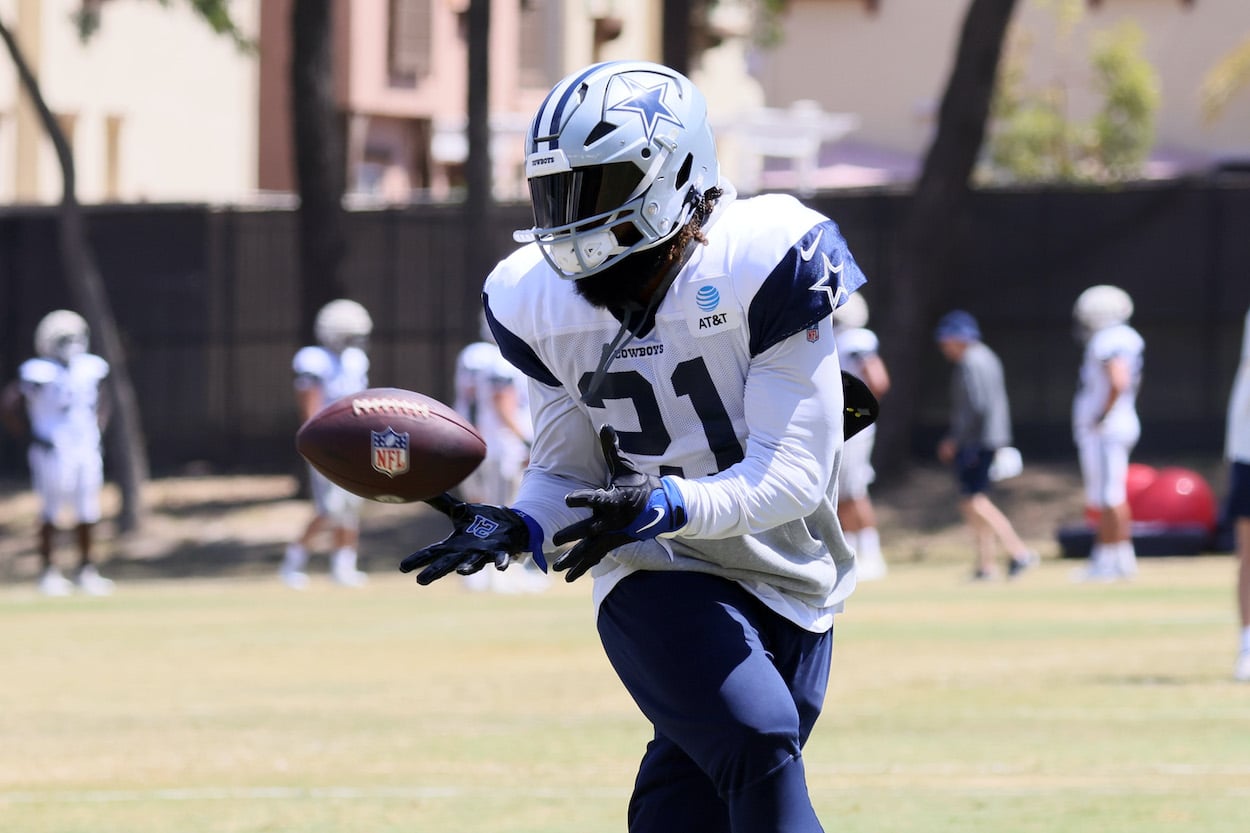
344, 560
1245, 640
295, 560
1103, 559
1126, 558
870, 543
852, 540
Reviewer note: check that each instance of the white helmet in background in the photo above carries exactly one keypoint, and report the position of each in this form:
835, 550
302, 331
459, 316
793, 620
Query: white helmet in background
1100, 307
616, 157
341, 324
61, 335
853, 314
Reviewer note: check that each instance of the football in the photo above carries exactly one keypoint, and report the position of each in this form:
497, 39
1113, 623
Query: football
391, 445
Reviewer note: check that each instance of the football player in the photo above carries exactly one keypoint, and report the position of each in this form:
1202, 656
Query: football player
857, 349
493, 395
1105, 425
980, 425
57, 403
688, 422
333, 368
1237, 449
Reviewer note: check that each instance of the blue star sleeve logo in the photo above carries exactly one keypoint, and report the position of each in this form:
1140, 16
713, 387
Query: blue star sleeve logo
648, 103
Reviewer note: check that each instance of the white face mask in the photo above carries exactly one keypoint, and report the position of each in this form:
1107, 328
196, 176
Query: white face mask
583, 252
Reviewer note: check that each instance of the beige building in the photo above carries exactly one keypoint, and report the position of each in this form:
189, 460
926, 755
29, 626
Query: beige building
156, 107
888, 61
160, 109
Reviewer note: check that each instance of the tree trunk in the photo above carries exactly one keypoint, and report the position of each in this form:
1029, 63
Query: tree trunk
320, 158
87, 290
478, 168
935, 230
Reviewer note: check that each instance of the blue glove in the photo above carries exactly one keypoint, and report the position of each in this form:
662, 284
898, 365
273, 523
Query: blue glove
483, 534
634, 507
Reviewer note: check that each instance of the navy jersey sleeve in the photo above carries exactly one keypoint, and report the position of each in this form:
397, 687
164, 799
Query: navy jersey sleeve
516, 351
816, 275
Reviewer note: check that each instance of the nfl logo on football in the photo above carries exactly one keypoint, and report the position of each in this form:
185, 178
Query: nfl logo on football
390, 452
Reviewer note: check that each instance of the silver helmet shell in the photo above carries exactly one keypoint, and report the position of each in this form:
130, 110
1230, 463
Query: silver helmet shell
341, 324
61, 335
615, 157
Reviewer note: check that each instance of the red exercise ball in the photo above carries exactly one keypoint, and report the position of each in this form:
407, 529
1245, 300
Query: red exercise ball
1177, 496
1139, 478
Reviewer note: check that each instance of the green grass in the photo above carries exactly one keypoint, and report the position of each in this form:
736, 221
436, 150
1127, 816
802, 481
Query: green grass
237, 706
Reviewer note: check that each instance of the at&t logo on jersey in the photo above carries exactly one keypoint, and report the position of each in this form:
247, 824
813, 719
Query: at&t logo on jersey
390, 451
709, 314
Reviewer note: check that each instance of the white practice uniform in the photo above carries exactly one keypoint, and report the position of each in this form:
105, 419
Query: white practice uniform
1237, 445
855, 346
337, 375
1104, 446
748, 414
481, 373
66, 465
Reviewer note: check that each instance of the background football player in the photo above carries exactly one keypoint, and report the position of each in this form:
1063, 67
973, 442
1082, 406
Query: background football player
57, 404
1105, 425
1237, 449
333, 368
688, 421
493, 395
858, 352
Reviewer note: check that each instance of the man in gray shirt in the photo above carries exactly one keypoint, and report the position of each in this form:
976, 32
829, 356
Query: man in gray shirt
980, 424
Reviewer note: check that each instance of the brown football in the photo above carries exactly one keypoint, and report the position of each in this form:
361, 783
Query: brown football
391, 445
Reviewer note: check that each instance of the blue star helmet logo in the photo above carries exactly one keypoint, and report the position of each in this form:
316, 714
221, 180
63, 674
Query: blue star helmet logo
648, 103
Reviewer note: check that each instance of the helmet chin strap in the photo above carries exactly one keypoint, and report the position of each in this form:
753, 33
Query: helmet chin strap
628, 324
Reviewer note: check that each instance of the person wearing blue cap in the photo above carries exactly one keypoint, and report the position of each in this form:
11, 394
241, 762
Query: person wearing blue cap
980, 424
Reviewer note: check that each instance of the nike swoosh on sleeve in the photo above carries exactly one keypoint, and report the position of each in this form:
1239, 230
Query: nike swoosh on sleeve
659, 516
806, 254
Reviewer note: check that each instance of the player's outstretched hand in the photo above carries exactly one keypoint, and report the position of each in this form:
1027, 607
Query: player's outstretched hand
634, 507
483, 534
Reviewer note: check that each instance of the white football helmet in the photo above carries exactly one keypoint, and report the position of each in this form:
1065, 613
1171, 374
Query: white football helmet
1102, 306
61, 335
615, 157
853, 313
341, 324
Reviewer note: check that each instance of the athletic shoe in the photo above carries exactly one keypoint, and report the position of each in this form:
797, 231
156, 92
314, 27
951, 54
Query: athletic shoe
349, 578
1241, 671
92, 583
294, 579
870, 569
52, 583
1020, 563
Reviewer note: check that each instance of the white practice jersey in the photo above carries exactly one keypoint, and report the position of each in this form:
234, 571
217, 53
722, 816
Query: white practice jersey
855, 346
62, 401
1238, 441
1119, 341
481, 372
337, 374
735, 391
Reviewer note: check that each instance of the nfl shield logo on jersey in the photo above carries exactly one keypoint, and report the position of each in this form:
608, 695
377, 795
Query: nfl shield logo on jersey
390, 451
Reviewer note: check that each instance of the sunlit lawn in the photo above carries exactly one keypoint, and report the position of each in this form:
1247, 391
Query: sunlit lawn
237, 705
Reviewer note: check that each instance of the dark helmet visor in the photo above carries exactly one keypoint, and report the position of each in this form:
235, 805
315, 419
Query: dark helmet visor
565, 198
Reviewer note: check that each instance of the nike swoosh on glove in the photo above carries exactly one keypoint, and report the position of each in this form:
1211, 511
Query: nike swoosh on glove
483, 534
634, 507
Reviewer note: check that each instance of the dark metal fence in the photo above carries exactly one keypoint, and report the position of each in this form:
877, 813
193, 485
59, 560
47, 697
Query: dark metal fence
206, 299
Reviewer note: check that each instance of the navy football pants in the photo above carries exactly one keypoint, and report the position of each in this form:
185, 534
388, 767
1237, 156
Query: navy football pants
733, 691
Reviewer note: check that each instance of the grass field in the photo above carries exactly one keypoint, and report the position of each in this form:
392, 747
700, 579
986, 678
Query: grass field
233, 704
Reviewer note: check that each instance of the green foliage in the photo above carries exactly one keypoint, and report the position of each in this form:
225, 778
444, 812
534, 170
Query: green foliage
1229, 76
1032, 138
214, 13
1124, 130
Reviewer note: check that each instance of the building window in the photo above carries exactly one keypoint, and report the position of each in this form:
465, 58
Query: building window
408, 42
538, 22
